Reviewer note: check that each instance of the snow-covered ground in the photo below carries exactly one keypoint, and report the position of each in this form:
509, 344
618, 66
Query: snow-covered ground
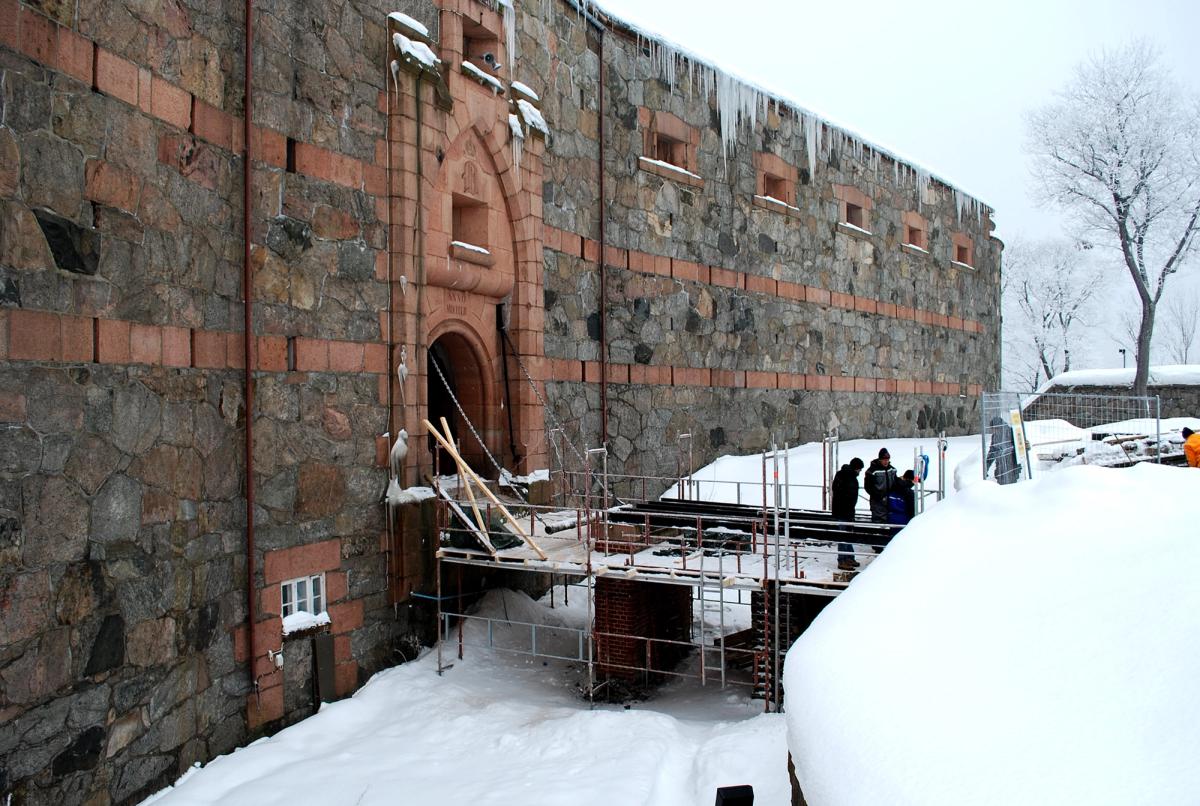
504, 729
732, 477
1031, 644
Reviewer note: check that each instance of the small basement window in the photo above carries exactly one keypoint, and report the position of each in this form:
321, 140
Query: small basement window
855, 216
303, 595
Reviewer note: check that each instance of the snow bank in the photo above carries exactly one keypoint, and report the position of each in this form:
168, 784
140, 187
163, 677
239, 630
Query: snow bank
1031, 644
495, 730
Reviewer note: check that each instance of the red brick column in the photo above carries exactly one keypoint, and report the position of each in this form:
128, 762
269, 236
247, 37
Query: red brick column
633, 619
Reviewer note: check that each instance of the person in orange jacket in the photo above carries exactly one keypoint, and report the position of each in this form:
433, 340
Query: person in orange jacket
1191, 447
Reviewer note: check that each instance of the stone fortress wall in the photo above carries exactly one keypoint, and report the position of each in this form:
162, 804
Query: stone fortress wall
730, 317
124, 594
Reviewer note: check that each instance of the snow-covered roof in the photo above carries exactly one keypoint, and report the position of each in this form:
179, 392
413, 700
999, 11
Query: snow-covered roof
1166, 375
1031, 643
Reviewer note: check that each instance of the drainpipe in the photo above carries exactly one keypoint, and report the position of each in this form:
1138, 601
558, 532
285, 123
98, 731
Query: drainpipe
248, 338
419, 220
603, 245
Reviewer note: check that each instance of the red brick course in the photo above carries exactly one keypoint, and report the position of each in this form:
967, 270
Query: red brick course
297, 561
571, 243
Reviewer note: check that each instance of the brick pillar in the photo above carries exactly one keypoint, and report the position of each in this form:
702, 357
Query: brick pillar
628, 612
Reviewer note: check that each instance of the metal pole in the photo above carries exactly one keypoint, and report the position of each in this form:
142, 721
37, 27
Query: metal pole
1158, 429
942, 466
767, 571
440, 626
787, 503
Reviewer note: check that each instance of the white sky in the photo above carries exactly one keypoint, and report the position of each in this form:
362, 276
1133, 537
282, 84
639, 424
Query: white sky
945, 84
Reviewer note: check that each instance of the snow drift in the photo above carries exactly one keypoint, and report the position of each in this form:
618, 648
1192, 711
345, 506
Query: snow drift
1031, 644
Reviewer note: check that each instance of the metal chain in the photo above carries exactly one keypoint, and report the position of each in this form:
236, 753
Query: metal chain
548, 412
500, 471
545, 406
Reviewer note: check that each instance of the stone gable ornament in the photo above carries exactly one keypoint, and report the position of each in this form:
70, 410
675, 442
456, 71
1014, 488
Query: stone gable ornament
470, 179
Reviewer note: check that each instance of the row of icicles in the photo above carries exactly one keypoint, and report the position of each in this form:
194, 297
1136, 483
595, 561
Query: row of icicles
740, 103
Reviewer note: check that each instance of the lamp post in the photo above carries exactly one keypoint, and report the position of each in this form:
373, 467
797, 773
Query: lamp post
1122, 352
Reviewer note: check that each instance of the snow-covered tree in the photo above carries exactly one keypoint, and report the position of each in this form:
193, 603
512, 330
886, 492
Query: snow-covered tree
1179, 326
1120, 147
1048, 291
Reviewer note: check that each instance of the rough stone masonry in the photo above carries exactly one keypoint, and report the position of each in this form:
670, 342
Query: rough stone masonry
753, 287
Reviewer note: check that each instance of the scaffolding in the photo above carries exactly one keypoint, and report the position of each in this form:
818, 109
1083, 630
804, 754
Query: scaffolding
752, 557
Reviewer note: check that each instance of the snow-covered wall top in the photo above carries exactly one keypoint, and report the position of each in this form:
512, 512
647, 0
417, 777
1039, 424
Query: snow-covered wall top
1167, 375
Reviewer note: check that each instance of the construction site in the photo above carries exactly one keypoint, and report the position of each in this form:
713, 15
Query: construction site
246, 254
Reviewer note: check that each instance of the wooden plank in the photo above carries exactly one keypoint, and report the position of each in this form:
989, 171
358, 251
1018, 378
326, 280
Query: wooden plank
520, 531
480, 535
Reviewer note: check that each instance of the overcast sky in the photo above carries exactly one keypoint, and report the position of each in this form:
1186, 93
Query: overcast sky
944, 84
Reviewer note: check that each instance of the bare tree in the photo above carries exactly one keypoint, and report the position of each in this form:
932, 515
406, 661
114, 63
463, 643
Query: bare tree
1048, 290
1120, 147
1178, 334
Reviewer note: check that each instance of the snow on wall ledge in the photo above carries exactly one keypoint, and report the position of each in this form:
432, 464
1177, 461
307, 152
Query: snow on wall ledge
1031, 644
1166, 375
742, 102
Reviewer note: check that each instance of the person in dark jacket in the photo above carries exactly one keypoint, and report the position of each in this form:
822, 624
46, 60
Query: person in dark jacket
1002, 452
845, 500
879, 482
902, 502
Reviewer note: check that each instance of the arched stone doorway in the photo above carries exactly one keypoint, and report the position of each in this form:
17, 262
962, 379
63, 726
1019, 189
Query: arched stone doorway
464, 375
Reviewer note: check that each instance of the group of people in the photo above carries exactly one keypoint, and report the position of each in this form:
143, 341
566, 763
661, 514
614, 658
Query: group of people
892, 497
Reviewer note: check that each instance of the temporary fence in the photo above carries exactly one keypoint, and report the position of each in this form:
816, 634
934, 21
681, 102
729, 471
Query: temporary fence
1025, 434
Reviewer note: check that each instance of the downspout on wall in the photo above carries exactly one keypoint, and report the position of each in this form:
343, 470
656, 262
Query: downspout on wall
248, 337
603, 251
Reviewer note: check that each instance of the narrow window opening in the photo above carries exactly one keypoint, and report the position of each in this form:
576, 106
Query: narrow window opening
668, 149
962, 254
854, 215
470, 222
291, 156
913, 236
776, 188
481, 47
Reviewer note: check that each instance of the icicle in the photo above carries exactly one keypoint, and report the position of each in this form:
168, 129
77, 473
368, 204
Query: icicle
518, 141
811, 128
736, 102
510, 30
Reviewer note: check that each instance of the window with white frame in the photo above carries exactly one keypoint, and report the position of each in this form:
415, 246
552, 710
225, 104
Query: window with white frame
303, 595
